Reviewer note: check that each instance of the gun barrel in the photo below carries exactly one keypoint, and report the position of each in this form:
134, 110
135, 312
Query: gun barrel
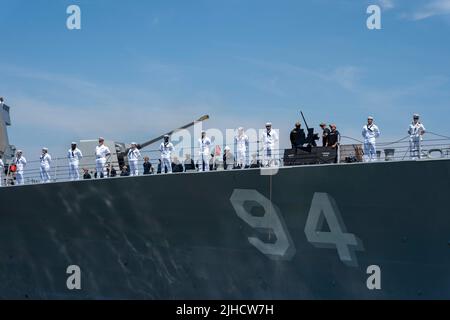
147, 143
304, 120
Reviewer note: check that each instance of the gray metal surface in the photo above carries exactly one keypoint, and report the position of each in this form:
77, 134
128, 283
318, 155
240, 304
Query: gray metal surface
233, 234
6, 151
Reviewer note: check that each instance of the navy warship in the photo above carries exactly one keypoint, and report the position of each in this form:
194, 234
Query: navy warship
347, 230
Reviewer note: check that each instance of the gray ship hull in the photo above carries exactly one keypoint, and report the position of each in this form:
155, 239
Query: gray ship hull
304, 232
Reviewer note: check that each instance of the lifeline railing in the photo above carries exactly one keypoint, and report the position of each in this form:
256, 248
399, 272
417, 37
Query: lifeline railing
433, 146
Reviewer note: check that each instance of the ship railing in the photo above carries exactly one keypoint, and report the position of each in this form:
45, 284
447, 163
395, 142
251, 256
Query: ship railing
350, 150
400, 150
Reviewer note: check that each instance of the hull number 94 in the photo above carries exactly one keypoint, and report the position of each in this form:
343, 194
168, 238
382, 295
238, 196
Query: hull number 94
323, 208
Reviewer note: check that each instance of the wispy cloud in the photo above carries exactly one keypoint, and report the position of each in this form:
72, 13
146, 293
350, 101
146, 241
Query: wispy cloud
62, 108
268, 84
63, 79
346, 77
387, 4
434, 8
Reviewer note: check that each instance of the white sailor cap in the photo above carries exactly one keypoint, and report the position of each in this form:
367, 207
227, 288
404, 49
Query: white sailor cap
73, 142
416, 116
166, 136
101, 139
133, 143
369, 118
227, 148
45, 148
203, 131
268, 124
241, 129
19, 151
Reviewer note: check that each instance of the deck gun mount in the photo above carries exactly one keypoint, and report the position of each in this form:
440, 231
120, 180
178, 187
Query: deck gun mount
311, 138
120, 149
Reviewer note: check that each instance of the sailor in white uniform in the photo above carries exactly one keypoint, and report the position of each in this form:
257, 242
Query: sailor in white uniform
203, 161
20, 163
416, 131
1, 171
370, 133
269, 140
45, 159
74, 155
166, 149
241, 141
133, 159
101, 152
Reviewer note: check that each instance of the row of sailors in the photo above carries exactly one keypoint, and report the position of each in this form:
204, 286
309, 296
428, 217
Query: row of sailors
102, 152
269, 139
217, 162
371, 132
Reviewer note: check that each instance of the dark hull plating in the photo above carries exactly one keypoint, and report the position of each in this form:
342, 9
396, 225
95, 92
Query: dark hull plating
180, 236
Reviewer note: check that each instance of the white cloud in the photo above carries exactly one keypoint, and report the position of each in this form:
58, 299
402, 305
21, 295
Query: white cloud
435, 8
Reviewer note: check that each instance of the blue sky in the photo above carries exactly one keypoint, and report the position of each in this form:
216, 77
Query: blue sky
140, 67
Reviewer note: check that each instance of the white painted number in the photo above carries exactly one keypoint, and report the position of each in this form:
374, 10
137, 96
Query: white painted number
324, 208
282, 247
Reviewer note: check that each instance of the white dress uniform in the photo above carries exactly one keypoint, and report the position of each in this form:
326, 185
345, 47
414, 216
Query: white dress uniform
269, 140
1, 171
370, 133
46, 159
241, 149
204, 154
415, 132
101, 152
20, 163
74, 157
133, 158
166, 156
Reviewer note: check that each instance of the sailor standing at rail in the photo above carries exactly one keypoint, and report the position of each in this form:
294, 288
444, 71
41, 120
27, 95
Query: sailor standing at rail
101, 152
416, 130
1, 171
166, 149
74, 155
20, 163
370, 133
269, 140
241, 141
46, 159
133, 158
204, 143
